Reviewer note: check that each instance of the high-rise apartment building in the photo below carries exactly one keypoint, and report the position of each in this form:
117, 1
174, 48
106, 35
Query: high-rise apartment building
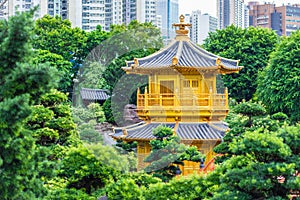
246, 16
146, 11
283, 19
129, 11
202, 24
3, 9
51, 7
232, 12
169, 11
88, 14
107, 12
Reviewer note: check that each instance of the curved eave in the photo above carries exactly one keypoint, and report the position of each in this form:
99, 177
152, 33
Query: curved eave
131, 139
222, 69
229, 70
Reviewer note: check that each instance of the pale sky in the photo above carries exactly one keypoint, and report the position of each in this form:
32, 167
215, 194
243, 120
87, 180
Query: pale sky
210, 6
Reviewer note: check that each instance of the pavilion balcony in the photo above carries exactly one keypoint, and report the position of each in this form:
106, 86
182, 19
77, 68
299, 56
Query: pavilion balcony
170, 105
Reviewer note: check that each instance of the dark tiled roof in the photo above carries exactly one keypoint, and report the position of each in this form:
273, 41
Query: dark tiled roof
198, 131
186, 131
188, 54
93, 94
145, 131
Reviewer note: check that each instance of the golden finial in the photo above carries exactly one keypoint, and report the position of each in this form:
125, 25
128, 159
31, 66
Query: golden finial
181, 18
136, 62
218, 61
174, 61
182, 25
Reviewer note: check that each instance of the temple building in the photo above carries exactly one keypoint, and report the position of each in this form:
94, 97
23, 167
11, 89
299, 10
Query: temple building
182, 93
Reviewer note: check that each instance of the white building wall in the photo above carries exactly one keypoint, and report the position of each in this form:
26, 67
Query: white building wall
55, 7
246, 16
202, 24
146, 11
75, 13
231, 12
159, 22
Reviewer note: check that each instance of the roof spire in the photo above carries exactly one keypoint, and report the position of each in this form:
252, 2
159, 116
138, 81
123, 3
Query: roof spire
182, 25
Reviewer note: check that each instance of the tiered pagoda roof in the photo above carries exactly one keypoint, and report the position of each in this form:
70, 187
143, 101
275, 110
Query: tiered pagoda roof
182, 53
185, 131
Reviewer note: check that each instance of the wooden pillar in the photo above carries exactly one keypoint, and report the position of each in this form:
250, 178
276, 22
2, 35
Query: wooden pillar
138, 97
146, 97
226, 97
210, 97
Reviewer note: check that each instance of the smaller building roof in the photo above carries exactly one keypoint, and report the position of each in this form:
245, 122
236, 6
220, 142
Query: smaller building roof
93, 94
186, 131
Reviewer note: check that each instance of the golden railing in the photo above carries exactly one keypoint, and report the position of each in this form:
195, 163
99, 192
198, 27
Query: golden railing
208, 100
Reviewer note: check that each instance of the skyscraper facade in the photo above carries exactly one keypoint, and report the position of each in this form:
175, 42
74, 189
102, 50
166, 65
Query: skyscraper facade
50, 7
169, 11
129, 11
232, 12
88, 14
283, 19
202, 24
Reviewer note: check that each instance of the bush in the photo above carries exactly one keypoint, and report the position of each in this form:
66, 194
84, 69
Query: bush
184, 188
125, 189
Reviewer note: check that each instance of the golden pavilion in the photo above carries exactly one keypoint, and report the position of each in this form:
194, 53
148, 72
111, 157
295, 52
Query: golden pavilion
181, 94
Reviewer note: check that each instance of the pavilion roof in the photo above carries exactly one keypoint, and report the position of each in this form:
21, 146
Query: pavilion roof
186, 131
182, 53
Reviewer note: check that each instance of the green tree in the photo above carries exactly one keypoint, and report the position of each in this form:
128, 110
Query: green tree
22, 82
63, 66
167, 152
191, 187
263, 167
102, 67
84, 172
86, 120
124, 189
245, 116
278, 86
57, 36
52, 125
109, 156
131, 186
95, 38
252, 46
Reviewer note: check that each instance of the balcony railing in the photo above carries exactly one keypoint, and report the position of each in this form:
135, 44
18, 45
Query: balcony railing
207, 101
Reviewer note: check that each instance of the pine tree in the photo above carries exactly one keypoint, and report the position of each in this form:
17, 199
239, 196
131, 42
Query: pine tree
21, 85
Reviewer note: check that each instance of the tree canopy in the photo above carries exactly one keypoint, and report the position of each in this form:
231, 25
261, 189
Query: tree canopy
278, 84
252, 46
22, 82
167, 152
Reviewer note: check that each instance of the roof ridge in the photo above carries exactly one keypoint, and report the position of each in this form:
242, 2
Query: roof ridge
156, 53
205, 55
179, 50
212, 54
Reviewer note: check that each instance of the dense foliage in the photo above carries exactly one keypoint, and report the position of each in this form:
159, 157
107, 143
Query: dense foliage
252, 46
167, 153
22, 83
245, 116
279, 82
41, 155
266, 160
